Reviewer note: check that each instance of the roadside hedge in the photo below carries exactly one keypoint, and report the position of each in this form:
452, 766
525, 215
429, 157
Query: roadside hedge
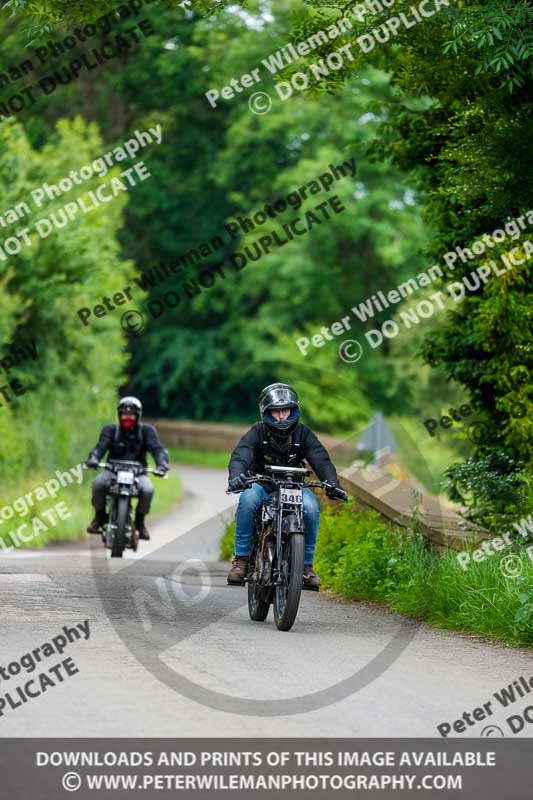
360, 558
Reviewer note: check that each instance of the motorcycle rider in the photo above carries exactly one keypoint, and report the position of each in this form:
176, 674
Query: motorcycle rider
280, 439
130, 440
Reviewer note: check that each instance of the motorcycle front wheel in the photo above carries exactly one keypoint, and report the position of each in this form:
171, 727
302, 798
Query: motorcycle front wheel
119, 540
288, 591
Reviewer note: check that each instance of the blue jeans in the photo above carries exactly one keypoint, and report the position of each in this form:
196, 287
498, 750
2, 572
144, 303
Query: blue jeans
249, 502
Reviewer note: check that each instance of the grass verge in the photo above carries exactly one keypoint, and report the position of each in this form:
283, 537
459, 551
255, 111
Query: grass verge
196, 458
226, 543
360, 558
76, 498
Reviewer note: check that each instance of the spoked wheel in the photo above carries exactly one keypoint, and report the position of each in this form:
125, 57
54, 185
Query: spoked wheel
258, 596
123, 505
288, 591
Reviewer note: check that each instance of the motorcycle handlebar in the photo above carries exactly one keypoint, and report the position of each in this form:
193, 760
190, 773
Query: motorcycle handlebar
156, 472
328, 486
287, 470
255, 478
115, 467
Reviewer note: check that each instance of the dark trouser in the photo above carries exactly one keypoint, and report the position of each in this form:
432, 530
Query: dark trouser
102, 483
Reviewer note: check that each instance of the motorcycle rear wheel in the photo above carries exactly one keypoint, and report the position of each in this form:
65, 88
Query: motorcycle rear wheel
258, 602
288, 592
258, 596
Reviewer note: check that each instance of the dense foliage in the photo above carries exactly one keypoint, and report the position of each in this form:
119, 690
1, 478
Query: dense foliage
67, 391
437, 119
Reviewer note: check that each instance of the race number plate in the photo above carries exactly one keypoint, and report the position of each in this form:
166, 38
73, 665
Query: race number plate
294, 496
123, 476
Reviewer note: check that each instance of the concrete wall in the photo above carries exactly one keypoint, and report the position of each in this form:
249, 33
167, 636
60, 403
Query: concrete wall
216, 437
394, 495
388, 491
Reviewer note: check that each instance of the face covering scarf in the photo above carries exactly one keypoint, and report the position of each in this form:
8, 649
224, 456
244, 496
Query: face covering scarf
127, 423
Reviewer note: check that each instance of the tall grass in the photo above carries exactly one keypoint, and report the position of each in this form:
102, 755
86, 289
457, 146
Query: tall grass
77, 499
227, 541
361, 558
200, 458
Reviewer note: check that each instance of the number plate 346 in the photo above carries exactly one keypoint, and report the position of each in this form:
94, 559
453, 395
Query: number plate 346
293, 496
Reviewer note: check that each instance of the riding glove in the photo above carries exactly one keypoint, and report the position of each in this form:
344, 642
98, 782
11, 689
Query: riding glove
240, 482
336, 493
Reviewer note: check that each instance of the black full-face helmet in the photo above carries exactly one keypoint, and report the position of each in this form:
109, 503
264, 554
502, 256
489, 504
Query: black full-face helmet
130, 405
279, 395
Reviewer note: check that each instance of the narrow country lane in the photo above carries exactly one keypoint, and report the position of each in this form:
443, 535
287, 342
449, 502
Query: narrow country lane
197, 666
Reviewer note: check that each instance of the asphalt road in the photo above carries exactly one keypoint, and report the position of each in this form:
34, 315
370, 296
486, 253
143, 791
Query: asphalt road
172, 651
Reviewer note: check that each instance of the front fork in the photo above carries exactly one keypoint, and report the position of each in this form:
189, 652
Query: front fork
293, 522
112, 514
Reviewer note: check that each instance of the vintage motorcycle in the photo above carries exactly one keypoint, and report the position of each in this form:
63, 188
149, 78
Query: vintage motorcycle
120, 532
276, 565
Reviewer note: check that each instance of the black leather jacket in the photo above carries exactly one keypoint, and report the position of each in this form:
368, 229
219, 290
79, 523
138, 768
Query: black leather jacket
255, 449
132, 445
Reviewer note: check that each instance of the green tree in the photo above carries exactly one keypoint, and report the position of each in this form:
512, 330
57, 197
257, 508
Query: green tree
458, 122
216, 163
71, 384
425, 106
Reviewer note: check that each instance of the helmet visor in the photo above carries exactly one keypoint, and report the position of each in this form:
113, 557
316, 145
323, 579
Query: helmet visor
280, 398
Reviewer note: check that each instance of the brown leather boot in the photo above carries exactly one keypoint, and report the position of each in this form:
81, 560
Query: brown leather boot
141, 527
100, 519
239, 568
311, 579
